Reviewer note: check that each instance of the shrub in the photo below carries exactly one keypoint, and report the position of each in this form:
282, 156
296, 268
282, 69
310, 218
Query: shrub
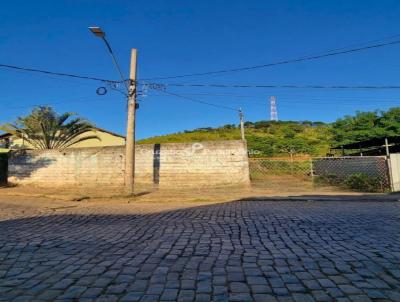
363, 183
328, 179
357, 182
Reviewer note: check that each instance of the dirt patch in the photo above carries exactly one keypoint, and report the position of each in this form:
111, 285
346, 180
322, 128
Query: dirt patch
23, 201
273, 187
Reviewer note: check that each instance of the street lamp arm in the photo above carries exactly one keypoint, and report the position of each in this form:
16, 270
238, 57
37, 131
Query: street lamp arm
115, 62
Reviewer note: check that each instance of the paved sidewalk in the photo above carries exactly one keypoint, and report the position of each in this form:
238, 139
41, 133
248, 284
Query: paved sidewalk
235, 251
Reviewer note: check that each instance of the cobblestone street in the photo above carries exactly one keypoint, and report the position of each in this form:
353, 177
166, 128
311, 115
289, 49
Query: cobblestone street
235, 251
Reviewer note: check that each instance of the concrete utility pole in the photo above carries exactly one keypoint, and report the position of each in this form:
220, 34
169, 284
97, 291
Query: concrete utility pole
130, 128
241, 117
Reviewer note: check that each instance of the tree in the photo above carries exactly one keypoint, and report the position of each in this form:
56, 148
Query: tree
295, 146
229, 126
366, 125
390, 121
43, 128
263, 145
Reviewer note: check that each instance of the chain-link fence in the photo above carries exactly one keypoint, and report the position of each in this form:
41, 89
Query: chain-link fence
367, 174
262, 167
369, 171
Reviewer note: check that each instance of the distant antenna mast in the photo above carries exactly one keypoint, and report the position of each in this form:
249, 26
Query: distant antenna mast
274, 111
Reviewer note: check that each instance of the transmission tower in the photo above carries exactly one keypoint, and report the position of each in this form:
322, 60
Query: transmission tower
274, 111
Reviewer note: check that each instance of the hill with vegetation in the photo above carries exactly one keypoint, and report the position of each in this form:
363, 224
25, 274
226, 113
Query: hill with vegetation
286, 138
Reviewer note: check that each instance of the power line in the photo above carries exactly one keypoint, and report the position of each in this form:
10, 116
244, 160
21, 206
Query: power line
198, 101
283, 86
301, 59
27, 69
353, 45
312, 57
233, 96
308, 102
206, 94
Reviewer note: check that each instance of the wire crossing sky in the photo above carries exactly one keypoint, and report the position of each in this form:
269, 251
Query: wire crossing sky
289, 61
320, 59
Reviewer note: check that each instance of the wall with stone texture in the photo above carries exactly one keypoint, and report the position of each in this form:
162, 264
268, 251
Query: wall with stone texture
167, 165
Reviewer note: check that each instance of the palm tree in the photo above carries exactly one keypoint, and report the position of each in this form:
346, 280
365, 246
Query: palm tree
43, 128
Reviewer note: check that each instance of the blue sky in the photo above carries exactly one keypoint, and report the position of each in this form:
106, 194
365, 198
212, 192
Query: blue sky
180, 37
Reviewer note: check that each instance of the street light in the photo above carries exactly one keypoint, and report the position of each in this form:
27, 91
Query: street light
98, 32
130, 128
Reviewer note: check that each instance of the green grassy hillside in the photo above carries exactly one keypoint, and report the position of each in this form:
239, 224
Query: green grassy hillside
283, 138
264, 138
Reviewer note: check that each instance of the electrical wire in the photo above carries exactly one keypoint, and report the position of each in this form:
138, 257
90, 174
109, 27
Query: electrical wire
115, 61
304, 102
301, 59
27, 69
198, 101
287, 97
282, 86
332, 52
353, 45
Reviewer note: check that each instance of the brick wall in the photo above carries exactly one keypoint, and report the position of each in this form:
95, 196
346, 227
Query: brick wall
169, 165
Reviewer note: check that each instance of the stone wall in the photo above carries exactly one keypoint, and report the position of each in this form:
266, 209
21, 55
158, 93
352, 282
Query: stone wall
166, 165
